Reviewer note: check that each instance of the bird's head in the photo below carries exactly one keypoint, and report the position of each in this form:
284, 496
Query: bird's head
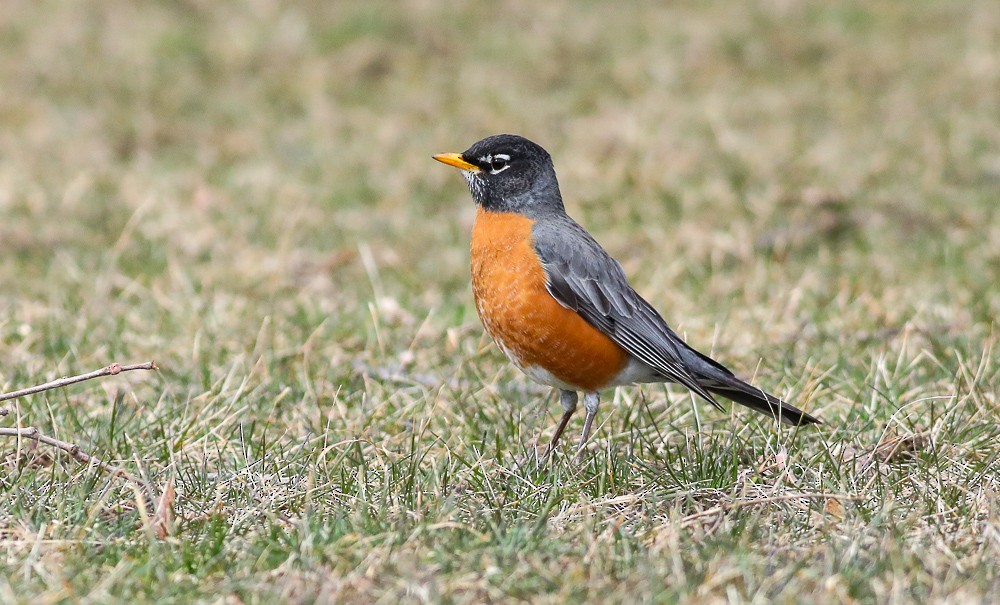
508, 173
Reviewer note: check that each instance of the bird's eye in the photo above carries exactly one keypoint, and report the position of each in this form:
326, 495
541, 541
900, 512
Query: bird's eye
499, 162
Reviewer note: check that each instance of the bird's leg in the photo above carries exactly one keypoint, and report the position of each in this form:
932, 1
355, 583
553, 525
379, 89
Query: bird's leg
568, 400
591, 401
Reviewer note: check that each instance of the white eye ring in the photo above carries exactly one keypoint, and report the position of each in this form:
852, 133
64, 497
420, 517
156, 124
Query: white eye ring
497, 163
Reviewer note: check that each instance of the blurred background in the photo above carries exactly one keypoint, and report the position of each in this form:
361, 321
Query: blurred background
730, 155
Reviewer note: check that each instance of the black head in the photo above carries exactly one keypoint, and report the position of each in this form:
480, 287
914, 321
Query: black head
508, 173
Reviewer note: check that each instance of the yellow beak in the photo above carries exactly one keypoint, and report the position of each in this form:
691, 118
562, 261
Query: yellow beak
456, 160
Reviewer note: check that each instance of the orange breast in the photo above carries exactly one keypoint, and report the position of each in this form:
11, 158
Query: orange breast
535, 331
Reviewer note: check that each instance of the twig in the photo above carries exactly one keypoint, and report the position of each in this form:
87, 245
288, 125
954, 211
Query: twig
111, 370
30, 432
735, 504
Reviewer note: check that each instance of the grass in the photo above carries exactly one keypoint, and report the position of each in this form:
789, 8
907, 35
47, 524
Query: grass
245, 194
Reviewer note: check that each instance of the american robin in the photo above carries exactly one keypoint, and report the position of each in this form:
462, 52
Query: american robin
560, 307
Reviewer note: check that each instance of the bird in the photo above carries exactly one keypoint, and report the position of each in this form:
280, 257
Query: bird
560, 307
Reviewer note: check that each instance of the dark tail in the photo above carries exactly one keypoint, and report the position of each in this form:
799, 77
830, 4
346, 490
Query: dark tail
719, 380
765, 403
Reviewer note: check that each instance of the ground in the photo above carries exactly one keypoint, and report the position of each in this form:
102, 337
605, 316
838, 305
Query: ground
244, 193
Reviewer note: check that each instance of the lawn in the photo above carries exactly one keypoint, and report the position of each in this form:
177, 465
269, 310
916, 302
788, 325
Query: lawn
244, 193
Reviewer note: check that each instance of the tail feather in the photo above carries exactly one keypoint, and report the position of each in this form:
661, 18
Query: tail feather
717, 379
765, 403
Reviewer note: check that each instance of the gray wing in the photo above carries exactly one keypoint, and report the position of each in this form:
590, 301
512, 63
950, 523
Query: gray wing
582, 277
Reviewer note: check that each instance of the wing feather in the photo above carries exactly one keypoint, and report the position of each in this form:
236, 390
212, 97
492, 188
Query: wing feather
581, 276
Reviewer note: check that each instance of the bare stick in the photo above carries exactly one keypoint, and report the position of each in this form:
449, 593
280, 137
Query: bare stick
30, 432
111, 370
73, 450
735, 504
